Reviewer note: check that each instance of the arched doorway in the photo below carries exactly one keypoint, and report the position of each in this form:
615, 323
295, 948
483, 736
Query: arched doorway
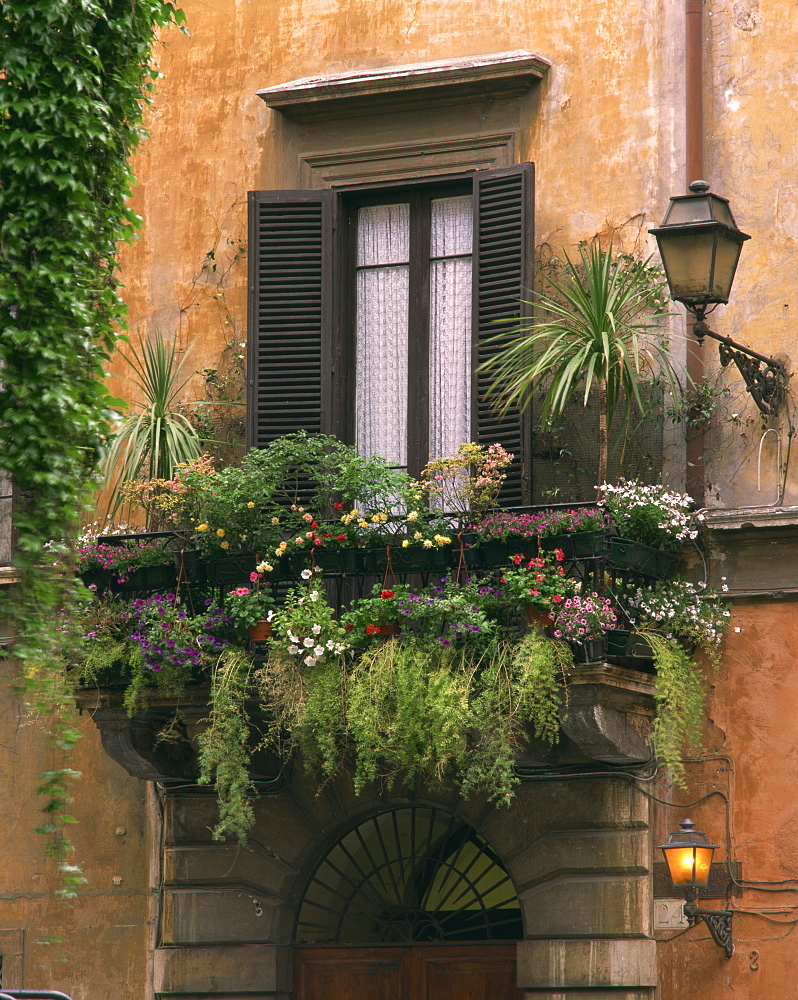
411, 904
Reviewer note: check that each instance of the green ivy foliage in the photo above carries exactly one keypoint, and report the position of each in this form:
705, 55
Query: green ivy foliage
74, 75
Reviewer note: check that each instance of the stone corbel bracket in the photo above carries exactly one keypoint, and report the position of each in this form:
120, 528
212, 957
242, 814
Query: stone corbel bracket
607, 711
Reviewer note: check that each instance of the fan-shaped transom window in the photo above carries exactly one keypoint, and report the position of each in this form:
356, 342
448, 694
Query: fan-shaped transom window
411, 874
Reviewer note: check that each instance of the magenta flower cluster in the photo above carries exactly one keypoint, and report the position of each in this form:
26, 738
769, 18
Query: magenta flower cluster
583, 617
503, 524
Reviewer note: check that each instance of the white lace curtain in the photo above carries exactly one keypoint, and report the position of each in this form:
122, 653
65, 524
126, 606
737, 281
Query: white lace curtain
383, 253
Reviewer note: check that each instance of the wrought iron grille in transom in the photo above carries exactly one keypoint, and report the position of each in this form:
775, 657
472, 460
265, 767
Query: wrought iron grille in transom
408, 875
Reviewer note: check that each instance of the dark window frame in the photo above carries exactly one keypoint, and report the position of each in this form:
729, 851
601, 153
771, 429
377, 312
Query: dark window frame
420, 197
298, 321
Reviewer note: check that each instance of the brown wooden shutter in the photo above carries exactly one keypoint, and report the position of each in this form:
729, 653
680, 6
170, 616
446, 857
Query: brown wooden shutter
290, 313
504, 244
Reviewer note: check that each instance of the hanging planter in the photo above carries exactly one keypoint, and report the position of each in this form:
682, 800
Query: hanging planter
145, 578
634, 557
260, 631
538, 619
592, 650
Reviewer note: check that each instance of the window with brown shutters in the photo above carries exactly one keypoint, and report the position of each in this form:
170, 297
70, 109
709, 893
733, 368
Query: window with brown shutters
303, 309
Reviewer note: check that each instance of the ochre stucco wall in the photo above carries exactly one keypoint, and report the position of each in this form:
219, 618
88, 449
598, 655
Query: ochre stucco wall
96, 947
750, 757
607, 139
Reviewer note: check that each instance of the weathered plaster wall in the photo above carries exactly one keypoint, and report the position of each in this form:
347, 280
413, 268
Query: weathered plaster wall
752, 119
606, 135
751, 758
98, 947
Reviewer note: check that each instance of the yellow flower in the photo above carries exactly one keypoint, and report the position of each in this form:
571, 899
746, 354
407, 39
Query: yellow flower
220, 532
202, 527
376, 519
225, 545
264, 567
405, 543
413, 515
416, 534
282, 546
362, 523
442, 540
428, 544
251, 504
275, 520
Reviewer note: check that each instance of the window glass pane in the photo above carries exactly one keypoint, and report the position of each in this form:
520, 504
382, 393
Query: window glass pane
383, 235
381, 331
450, 325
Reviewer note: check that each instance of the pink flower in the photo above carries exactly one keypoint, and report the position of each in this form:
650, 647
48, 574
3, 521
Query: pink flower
240, 591
253, 576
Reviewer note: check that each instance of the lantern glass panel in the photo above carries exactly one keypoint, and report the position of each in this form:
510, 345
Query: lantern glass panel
726, 257
689, 865
687, 258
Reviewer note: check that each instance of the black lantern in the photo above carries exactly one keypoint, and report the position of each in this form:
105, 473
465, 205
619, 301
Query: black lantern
700, 244
689, 857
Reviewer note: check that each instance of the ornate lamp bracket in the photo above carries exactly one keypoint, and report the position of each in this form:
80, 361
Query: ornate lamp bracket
764, 377
719, 923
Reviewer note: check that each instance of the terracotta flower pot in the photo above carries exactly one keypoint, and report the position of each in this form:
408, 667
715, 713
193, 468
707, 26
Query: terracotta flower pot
260, 631
537, 619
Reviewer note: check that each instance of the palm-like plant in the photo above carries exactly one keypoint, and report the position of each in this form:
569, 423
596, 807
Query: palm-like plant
154, 437
601, 324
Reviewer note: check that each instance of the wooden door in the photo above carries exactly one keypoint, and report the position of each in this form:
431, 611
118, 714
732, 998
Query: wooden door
451, 972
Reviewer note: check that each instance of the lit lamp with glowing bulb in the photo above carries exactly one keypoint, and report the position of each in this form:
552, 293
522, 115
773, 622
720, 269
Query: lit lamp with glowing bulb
689, 857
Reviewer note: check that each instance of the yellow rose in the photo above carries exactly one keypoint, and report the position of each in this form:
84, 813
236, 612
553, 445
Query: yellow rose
275, 520
220, 532
428, 544
250, 504
405, 543
225, 545
413, 515
202, 527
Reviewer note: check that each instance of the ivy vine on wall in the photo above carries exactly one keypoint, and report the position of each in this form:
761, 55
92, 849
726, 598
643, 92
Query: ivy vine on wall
75, 75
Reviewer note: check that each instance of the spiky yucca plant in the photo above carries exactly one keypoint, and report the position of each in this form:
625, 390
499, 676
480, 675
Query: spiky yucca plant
602, 323
155, 436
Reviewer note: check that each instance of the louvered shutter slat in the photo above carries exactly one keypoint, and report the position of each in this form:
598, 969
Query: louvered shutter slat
503, 275
290, 314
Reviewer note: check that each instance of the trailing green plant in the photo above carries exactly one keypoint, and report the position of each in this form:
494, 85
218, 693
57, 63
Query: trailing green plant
408, 712
518, 688
74, 80
152, 440
224, 751
680, 700
603, 324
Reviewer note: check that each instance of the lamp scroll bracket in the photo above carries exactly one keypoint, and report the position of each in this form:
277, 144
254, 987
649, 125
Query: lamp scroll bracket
765, 378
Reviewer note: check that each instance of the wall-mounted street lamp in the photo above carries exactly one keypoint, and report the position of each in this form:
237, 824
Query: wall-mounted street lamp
700, 245
689, 857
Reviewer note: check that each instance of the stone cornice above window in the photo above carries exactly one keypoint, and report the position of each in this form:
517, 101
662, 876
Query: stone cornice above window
730, 518
500, 75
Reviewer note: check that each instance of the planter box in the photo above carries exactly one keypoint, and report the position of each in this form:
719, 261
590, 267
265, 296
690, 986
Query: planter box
628, 649
497, 553
147, 578
577, 544
634, 557
229, 571
590, 651
338, 562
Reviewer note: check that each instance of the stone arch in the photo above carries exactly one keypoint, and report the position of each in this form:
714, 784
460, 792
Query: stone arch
409, 874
